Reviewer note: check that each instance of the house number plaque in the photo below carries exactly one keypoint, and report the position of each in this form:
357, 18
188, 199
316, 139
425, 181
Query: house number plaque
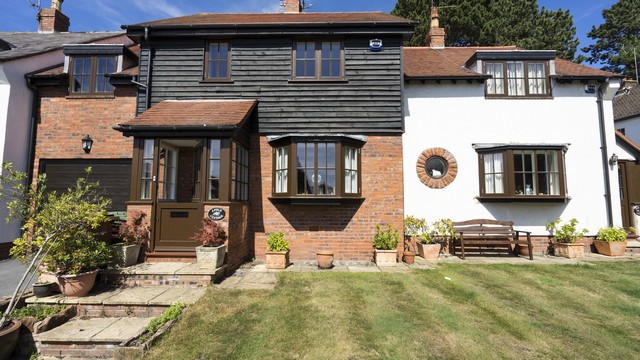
636, 210
217, 214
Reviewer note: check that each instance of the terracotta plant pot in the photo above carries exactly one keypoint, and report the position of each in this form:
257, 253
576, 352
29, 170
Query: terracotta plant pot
325, 259
277, 259
522, 249
9, 338
211, 254
386, 257
569, 250
429, 251
610, 248
409, 257
126, 255
77, 285
41, 290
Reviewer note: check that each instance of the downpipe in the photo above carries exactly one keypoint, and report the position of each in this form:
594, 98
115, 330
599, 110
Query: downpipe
604, 153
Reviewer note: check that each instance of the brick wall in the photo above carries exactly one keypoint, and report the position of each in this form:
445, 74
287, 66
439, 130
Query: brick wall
347, 229
63, 122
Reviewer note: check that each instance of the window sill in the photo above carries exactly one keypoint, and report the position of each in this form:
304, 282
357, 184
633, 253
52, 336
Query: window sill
320, 81
91, 96
333, 201
509, 199
215, 81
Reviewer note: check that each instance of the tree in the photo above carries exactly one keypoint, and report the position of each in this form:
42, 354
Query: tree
617, 38
495, 23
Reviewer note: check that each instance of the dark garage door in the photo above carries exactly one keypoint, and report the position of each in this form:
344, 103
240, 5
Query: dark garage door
114, 177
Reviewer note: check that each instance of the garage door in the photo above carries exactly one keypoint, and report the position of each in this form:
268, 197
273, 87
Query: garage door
114, 177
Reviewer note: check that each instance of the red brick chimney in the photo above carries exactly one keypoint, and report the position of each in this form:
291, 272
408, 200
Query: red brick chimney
436, 33
292, 6
52, 20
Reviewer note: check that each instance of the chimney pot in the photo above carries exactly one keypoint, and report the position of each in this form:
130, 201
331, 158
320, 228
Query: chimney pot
436, 33
56, 4
292, 6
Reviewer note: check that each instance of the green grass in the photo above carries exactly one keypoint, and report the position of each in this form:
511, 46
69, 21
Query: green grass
482, 312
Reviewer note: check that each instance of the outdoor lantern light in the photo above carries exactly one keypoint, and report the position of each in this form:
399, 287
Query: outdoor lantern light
87, 142
613, 160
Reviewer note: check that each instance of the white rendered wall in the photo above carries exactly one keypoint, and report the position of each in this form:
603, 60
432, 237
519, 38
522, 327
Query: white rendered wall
455, 116
631, 128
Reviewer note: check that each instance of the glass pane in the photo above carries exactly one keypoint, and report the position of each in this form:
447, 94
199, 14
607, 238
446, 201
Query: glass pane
497, 163
321, 179
310, 68
554, 184
326, 50
145, 189
335, 68
214, 169
300, 155
310, 161
326, 69
223, 69
148, 148
499, 184
309, 184
300, 71
528, 161
214, 149
488, 163
214, 189
322, 155
223, 50
213, 51
331, 155
489, 187
518, 162
529, 186
213, 70
331, 182
543, 183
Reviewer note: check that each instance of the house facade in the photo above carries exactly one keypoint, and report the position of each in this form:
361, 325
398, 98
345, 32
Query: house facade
22, 54
508, 134
269, 122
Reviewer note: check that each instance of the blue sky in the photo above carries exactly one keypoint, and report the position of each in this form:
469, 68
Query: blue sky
97, 15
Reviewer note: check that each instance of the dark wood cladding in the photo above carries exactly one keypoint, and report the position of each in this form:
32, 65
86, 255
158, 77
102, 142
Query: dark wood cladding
368, 99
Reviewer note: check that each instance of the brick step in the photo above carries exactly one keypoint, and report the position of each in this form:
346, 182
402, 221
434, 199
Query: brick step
86, 338
162, 273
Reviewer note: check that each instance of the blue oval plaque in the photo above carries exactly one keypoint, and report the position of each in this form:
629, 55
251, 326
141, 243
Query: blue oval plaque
217, 214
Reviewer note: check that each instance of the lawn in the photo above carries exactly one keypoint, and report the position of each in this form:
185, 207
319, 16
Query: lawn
458, 311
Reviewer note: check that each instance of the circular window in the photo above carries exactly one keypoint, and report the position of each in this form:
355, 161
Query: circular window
436, 168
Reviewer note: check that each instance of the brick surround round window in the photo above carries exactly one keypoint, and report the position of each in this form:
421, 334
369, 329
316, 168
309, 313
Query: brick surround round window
437, 168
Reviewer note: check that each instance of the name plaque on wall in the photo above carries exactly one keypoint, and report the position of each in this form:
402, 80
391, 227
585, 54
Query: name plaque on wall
217, 214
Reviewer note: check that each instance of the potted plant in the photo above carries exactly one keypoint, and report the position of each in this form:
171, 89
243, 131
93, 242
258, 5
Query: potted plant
566, 238
277, 256
385, 243
324, 259
133, 234
42, 288
212, 236
612, 241
432, 238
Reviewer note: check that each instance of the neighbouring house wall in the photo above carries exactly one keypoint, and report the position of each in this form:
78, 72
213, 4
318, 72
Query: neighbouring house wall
455, 116
631, 128
347, 229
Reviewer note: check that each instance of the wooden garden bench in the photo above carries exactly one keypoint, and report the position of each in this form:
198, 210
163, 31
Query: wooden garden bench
485, 232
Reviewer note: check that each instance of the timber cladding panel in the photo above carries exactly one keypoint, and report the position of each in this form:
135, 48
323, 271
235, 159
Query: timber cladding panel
347, 229
368, 100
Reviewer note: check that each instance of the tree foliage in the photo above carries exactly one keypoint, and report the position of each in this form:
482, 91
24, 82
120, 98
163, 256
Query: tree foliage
494, 23
616, 38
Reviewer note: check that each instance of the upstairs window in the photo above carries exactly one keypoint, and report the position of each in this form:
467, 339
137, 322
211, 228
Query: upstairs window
517, 79
318, 60
217, 61
88, 74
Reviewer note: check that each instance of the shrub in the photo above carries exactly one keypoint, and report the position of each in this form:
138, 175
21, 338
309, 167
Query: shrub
136, 231
210, 233
38, 311
414, 227
276, 242
567, 233
613, 234
385, 239
172, 312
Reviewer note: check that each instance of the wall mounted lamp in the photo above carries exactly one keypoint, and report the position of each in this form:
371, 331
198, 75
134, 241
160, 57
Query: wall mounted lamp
613, 159
87, 143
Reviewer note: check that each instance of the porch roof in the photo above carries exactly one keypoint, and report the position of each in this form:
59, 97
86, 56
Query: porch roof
193, 115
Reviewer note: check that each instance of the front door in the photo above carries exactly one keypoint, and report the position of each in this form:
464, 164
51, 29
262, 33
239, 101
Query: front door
179, 210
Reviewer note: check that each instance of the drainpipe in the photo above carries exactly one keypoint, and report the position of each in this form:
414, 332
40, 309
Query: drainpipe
147, 90
605, 155
35, 100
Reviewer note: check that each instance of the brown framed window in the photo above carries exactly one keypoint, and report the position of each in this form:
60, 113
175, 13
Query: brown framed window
517, 79
146, 176
214, 157
87, 74
316, 169
318, 60
522, 173
239, 172
218, 58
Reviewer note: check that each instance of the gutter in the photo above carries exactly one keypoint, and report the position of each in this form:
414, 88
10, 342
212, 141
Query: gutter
604, 154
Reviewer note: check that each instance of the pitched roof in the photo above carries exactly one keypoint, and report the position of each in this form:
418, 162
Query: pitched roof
25, 44
628, 143
449, 62
277, 18
194, 114
627, 105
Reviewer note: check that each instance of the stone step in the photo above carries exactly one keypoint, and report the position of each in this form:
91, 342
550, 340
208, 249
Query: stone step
92, 337
162, 273
633, 247
141, 301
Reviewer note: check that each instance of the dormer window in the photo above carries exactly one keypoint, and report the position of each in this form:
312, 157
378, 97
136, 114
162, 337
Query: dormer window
517, 78
88, 74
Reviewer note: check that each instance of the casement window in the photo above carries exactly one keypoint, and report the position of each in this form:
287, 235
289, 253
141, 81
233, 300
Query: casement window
316, 169
318, 60
214, 157
517, 79
522, 173
239, 172
87, 74
218, 59
146, 177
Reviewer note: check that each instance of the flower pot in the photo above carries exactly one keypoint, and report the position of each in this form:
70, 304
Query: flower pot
429, 251
408, 257
211, 254
77, 285
126, 255
386, 257
325, 259
277, 259
569, 250
610, 248
9, 338
522, 249
41, 290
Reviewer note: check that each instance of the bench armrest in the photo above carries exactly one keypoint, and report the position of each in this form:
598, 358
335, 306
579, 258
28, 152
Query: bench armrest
525, 232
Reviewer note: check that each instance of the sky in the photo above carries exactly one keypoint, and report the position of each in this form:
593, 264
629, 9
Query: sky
100, 15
